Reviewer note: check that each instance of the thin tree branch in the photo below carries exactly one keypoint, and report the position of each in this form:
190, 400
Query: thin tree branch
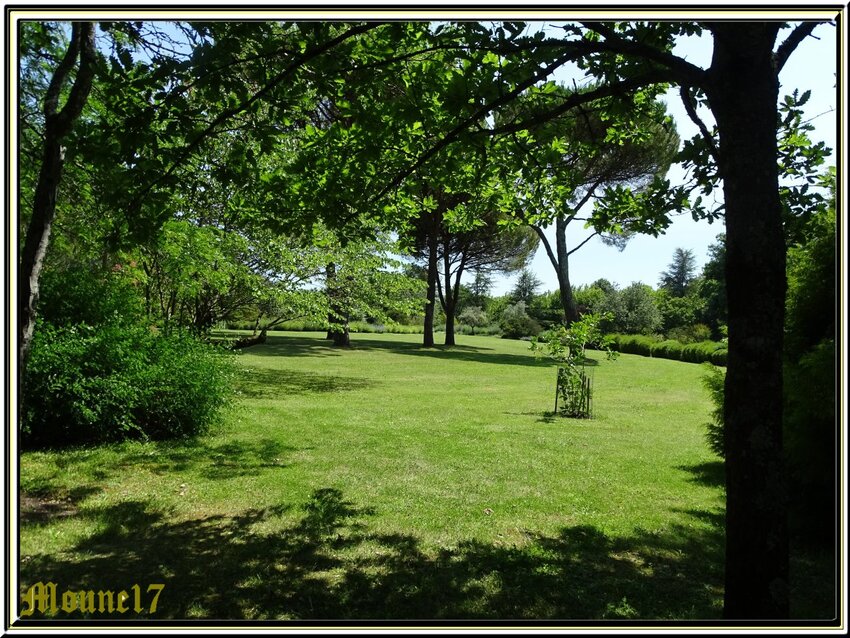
51, 97
482, 112
685, 72
578, 99
800, 33
545, 241
688, 102
595, 233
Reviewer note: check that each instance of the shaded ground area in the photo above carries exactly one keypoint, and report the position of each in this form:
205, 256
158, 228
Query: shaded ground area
265, 382
289, 345
331, 565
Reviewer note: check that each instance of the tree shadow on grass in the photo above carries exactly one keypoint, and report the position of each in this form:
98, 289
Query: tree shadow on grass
290, 346
709, 474
221, 461
46, 498
268, 383
280, 345
452, 353
546, 416
327, 563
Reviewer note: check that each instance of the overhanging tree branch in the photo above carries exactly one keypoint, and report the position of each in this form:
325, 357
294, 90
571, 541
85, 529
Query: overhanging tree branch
800, 33
684, 72
482, 112
259, 95
577, 99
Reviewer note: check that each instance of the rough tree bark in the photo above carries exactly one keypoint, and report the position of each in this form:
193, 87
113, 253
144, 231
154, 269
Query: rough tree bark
58, 123
742, 87
448, 297
431, 299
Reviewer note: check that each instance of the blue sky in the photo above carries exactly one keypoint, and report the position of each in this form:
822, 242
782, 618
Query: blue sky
811, 67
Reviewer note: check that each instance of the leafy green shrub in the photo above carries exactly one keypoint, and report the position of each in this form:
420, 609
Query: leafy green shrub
810, 438
516, 323
714, 381
718, 357
690, 334
633, 344
701, 352
83, 294
669, 349
88, 384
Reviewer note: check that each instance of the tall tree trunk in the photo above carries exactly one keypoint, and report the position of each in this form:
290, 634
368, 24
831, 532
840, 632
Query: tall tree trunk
448, 297
431, 299
57, 126
342, 338
562, 266
559, 258
334, 312
743, 90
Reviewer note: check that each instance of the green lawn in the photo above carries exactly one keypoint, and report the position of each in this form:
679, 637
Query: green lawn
391, 481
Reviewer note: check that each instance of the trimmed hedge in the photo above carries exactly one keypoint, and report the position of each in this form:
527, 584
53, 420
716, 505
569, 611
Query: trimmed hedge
647, 346
634, 344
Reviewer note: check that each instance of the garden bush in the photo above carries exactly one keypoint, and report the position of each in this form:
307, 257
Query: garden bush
515, 322
701, 352
690, 334
87, 384
669, 349
488, 330
81, 293
714, 381
634, 344
652, 346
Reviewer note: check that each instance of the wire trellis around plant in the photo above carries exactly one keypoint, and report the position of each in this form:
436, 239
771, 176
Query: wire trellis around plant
574, 391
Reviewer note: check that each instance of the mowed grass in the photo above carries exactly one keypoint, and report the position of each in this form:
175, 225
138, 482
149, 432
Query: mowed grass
388, 481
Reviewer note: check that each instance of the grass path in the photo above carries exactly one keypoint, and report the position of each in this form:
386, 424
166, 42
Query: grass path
391, 481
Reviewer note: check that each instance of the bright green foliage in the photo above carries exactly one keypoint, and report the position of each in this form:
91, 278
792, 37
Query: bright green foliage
634, 344
690, 334
654, 346
669, 349
367, 280
546, 308
636, 312
515, 322
80, 293
93, 384
810, 373
198, 275
474, 317
713, 381
678, 312
810, 301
